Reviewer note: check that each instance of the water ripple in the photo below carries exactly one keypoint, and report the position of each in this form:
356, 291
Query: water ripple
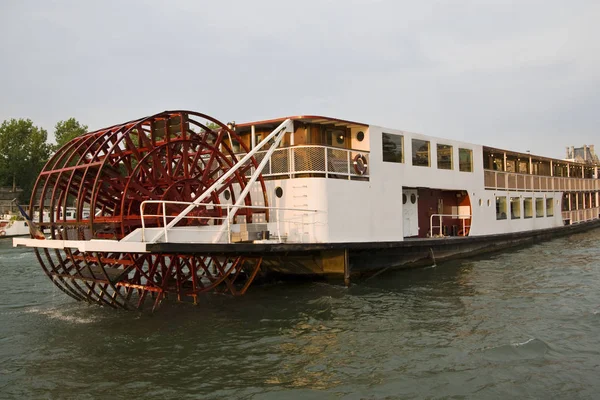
518, 324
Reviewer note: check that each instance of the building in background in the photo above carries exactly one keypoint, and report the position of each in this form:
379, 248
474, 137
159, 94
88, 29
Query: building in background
584, 154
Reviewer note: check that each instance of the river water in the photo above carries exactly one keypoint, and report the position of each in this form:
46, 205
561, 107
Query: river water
520, 324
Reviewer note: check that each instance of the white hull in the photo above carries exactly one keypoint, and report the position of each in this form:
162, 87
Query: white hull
10, 228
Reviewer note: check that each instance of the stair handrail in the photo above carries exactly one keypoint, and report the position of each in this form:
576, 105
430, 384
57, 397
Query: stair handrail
274, 134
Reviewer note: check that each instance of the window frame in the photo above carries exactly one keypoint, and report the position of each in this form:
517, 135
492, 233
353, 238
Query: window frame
539, 205
460, 163
394, 157
501, 210
515, 213
416, 149
525, 201
550, 203
446, 146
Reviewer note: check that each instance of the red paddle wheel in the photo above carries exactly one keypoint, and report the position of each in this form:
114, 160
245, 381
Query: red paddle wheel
92, 188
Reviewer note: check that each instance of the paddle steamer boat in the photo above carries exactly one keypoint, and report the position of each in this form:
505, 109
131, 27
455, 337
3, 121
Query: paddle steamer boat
184, 204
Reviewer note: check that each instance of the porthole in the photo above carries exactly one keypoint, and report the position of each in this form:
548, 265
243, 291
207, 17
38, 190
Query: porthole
279, 191
413, 198
480, 202
340, 138
227, 194
404, 199
360, 136
488, 202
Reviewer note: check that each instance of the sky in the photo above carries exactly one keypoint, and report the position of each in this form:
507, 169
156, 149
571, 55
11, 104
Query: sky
519, 75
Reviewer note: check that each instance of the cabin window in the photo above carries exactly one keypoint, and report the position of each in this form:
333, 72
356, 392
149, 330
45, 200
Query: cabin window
420, 153
493, 161
393, 147
528, 207
515, 208
540, 167
539, 208
523, 166
549, 208
465, 160
500, 207
511, 164
444, 156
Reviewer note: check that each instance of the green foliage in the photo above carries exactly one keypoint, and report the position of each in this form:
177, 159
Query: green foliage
65, 131
23, 152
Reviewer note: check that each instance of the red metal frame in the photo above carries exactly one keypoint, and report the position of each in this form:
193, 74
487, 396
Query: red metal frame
172, 155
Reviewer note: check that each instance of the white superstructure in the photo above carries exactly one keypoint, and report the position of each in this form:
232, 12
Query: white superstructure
184, 207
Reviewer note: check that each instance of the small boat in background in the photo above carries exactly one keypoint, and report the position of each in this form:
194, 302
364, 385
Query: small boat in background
12, 225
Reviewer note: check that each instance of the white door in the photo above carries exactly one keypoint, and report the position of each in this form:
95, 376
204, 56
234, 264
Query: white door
410, 212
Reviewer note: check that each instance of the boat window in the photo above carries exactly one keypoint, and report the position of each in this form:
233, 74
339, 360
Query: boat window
523, 166
500, 207
393, 147
403, 198
340, 137
539, 208
528, 207
560, 169
549, 208
540, 167
465, 160
413, 198
444, 156
511, 164
420, 153
515, 208
493, 161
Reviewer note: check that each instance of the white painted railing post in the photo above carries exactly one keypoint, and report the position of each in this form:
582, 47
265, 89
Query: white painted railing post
143, 222
164, 210
228, 226
326, 162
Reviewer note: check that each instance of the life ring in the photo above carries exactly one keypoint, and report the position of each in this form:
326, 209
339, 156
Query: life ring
360, 164
2, 233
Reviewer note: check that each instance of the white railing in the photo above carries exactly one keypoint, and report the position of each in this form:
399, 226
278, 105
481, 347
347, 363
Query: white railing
230, 209
576, 216
463, 217
498, 180
333, 162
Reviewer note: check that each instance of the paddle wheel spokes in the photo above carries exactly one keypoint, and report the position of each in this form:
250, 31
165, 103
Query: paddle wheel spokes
94, 186
131, 281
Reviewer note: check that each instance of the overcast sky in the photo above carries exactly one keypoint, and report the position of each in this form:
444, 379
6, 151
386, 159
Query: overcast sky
521, 75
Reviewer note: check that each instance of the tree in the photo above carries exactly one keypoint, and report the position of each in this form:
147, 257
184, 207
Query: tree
23, 152
65, 131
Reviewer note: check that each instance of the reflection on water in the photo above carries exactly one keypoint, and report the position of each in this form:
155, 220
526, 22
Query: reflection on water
520, 324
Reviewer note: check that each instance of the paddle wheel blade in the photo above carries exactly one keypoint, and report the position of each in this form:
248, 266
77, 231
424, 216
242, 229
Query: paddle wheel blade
93, 189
